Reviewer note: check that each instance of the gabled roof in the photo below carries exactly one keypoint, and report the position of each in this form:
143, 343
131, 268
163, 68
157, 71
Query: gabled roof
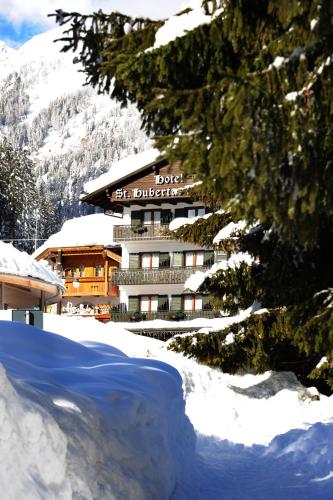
121, 170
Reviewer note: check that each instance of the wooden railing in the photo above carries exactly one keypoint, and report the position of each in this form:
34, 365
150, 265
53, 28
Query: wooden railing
167, 315
153, 276
90, 286
145, 232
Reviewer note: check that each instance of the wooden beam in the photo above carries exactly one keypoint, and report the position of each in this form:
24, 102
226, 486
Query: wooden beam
1, 295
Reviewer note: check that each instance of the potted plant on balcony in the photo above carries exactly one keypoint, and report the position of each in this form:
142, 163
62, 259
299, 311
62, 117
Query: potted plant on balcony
177, 315
138, 316
139, 229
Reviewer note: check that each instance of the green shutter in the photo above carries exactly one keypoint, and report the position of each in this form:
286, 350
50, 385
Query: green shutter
220, 255
136, 218
134, 261
181, 212
166, 216
163, 304
133, 304
176, 303
164, 260
208, 259
178, 259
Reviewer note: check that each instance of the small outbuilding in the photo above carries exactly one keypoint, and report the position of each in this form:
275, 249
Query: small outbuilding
25, 283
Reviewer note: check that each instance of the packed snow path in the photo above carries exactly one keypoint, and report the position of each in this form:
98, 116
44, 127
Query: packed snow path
82, 420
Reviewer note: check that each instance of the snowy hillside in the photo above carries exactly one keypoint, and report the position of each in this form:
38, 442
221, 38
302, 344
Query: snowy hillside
73, 133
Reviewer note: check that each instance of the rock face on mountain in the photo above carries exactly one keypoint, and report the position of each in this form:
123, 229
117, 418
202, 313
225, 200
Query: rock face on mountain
73, 133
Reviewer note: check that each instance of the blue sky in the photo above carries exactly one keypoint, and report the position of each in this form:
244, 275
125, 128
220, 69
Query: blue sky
21, 19
15, 35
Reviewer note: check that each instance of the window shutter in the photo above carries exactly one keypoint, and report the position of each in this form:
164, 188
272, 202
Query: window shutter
178, 259
176, 303
181, 212
164, 260
166, 216
220, 255
136, 218
133, 304
208, 210
162, 303
208, 258
134, 261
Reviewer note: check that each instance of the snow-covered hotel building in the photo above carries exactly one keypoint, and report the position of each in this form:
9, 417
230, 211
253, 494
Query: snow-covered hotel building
142, 189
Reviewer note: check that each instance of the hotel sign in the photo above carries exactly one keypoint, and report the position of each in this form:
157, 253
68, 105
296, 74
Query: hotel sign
165, 186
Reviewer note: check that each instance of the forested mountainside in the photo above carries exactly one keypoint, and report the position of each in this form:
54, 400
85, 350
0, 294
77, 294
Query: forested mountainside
72, 134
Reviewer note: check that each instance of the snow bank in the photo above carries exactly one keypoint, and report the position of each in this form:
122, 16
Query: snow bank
95, 229
12, 261
121, 169
87, 421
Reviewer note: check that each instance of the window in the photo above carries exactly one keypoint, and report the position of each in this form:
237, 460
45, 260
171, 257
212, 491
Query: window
163, 303
151, 217
196, 212
149, 260
164, 259
134, 261
189, 302
208, 258
206, 305
220, 255
82, 271
99, 270
148, 303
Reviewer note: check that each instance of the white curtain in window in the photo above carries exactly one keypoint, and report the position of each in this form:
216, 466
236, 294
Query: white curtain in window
155, 260
200, 258
188, 303
189, 259
198, 303
157, 217
145, 260
145, 303
147, 217
154, 303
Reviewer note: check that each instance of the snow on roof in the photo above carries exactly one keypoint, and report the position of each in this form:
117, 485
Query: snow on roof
121, 169
178, 25
89, 230
17, 263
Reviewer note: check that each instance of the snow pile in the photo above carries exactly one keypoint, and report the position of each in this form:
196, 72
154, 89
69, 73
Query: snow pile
183, 221
194, 281
121, 169
95, 229
228, 230
12, 261
87, 421
178, 25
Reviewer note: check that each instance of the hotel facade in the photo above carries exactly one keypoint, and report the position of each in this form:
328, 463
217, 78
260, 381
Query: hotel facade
144, 190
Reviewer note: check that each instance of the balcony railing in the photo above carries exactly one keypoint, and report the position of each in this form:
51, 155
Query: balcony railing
95, 286
174, 275
167, 315
145, 232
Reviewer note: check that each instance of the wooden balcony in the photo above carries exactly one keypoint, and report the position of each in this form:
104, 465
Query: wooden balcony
129, 316
161, 275
95, 286
147, 232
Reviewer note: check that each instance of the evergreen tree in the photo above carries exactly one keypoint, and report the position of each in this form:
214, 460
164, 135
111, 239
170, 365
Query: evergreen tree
245, 102
24, 209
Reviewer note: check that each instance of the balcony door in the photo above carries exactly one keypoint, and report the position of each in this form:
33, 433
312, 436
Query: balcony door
149, 260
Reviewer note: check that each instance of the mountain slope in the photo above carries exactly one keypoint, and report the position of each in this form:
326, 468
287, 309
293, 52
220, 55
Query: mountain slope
73, 133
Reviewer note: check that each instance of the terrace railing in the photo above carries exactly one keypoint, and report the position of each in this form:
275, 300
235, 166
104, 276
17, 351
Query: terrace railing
144, 232
160, 275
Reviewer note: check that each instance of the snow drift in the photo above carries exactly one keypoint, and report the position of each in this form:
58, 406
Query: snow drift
86, 421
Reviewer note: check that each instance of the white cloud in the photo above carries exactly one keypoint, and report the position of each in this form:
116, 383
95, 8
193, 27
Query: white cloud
36, 11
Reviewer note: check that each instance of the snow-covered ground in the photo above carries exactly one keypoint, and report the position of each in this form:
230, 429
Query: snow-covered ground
97, 412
